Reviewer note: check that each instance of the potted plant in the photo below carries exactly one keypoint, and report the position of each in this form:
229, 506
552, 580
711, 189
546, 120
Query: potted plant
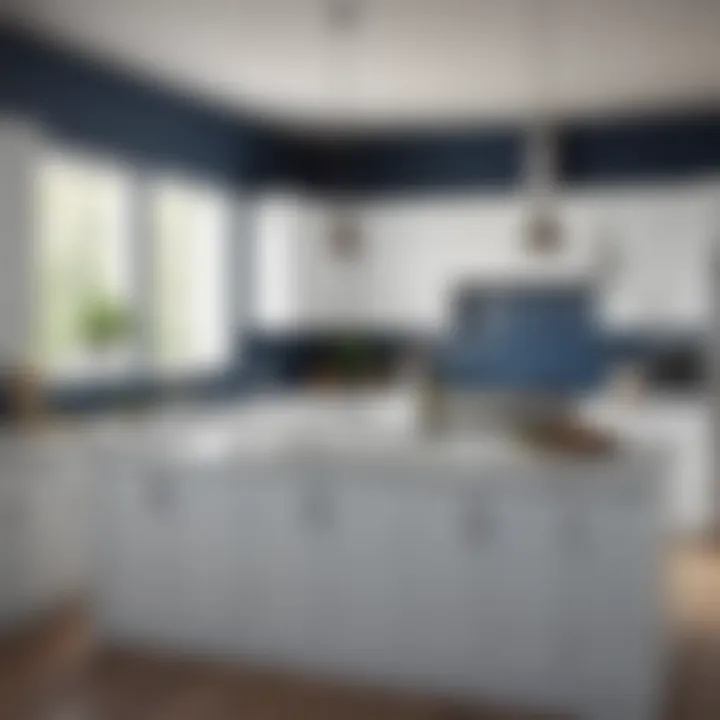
104, 325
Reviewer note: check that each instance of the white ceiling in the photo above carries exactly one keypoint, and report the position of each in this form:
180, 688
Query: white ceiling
419, 60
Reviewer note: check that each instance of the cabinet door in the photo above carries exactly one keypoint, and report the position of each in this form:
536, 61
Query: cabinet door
320, 554
368, 591
238, 561
202, 558
617, 642
141, 586
204, 550
512, 559
450, 588
436, 625
267, 563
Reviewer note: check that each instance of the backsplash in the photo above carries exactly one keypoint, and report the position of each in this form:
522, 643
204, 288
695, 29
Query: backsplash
294, 360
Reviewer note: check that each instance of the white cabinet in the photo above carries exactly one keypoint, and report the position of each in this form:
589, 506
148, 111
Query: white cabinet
205, 558
366, 526
454, 589
617, 609
259, 503
138, 564
496, 584
526, 591
684, 430
275, 574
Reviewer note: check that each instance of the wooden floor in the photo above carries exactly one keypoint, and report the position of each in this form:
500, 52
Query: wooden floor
55, 673
694, 606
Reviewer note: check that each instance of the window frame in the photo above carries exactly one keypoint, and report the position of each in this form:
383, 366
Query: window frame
227, 197
78, 156
140, 182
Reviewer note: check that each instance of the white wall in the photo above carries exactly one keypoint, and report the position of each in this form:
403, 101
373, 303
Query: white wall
658, 244
646, 250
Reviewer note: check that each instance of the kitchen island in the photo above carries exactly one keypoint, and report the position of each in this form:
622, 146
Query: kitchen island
471, 567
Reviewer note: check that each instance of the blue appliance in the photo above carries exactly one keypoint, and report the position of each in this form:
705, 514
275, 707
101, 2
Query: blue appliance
536, 338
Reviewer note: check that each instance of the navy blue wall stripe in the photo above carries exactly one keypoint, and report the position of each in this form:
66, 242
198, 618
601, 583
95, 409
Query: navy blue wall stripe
80, 100
641, 148
483, 157
96, 104
653, 148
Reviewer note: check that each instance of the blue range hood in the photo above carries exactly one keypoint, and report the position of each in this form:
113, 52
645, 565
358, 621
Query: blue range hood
536, 338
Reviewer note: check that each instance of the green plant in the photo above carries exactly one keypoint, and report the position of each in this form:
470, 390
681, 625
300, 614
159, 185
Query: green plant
103, 322
354, 358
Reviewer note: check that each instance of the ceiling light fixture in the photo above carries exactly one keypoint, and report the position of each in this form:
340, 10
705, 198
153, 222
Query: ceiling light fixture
345, 232
544, 232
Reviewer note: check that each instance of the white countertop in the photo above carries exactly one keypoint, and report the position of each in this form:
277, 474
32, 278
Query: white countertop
362, 426
358, 428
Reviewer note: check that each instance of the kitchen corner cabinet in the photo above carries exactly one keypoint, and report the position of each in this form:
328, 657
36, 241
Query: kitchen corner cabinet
532, 591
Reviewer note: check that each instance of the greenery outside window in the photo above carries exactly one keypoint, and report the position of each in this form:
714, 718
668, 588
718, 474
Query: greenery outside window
86, 324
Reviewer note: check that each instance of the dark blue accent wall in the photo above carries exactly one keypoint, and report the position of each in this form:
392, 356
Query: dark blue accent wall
665, 146
653, 148
96, 104
91, 103
411, 161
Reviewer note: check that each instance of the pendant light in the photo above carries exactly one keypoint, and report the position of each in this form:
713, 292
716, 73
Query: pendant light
345, 231
543, 232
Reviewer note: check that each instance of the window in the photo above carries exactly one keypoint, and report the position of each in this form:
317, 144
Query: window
84, 266
121, 261
191, 303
